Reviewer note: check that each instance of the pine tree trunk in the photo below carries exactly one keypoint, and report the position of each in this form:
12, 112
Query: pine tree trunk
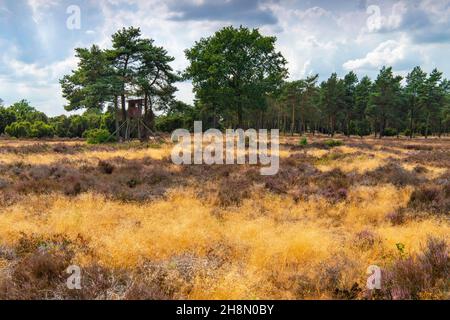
293, 119
440, 128
239, 115
116, 117
145, 130
426, 126
124, 115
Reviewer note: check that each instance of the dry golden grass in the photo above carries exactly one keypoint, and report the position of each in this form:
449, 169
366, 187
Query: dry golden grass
87, 156
261, 249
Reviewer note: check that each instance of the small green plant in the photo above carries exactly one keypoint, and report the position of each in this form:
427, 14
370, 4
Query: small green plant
96, 136
132, 183
303, 142
154, 145
333, 143
390, 132
401, 248
407, 132
330, 157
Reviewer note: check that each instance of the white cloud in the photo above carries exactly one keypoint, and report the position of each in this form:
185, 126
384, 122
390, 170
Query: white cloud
39, 7
387, 53
37, 83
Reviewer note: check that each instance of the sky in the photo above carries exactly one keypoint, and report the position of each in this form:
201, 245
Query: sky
38, 37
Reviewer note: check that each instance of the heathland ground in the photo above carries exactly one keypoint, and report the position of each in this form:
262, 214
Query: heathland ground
141, 227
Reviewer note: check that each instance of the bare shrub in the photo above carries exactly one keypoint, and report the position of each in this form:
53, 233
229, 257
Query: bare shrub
105, 167
7, 253
233, 191
437, 158
293, 179
39, 269
395, 174
418, 275
145, 291
72, 186
155, 175
36, 276
418, 147
158, 280
17, 168
3, 183
333, 185
283, 181
435, 258
44, 186
397, 217
67, 149
431, 198
26, 149
333, 282
39, 172
365, 239
176, 277
98, 282
420, 169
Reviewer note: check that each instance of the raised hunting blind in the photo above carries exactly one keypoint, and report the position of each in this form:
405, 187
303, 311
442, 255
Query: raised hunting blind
134, 123
135, 108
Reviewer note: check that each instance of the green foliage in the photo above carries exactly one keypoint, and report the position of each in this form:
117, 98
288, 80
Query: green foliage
7, 116
91, 84
414, 87
60, 125
181, 115
362, 127
97, 136
40, 129
19, 129
300, 96
36, 116
385, 99
26, 129
401, 248
38, 125
303, 142
390, 132
169, 123
77, 126
234, 69
407, 132
134, 66
22, 110
333, 143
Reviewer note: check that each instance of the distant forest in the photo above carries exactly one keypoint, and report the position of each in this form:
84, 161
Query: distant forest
239, 80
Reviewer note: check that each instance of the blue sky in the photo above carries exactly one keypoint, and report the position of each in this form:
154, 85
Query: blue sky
36, 47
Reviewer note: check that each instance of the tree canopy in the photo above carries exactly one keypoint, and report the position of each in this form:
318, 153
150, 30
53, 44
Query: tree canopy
234, 70
133, 67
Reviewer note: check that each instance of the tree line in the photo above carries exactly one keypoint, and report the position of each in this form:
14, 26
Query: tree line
239, 80
21, 120
386, 106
